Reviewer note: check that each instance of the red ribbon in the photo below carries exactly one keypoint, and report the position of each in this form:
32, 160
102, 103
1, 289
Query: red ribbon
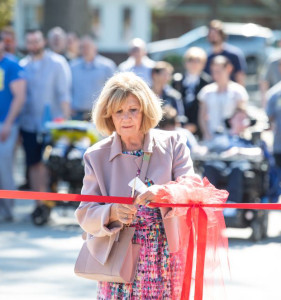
26, 195
201, 250
196, 221
63, 197
261, 206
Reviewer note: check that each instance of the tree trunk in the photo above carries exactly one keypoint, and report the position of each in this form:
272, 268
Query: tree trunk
214, 10
71, 15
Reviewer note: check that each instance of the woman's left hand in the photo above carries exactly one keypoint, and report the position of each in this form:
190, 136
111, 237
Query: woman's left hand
149, 196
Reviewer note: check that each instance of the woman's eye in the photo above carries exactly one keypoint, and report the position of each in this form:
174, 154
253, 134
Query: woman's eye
133, 110
119, 111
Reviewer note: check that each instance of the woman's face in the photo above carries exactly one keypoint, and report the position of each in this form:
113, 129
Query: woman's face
128, 118
194, 65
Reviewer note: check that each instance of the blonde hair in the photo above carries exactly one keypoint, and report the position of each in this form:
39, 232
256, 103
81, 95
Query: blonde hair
114, 94
196, 52
162, 65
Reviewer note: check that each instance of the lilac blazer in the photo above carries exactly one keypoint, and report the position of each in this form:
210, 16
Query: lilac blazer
108, 172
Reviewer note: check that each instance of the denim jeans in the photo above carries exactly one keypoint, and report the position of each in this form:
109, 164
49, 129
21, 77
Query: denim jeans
233, 174
7, 149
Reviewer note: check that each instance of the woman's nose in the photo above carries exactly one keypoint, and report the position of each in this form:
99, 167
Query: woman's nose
126, 115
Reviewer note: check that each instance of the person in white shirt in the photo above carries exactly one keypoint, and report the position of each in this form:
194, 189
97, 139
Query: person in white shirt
138, 62
219, 100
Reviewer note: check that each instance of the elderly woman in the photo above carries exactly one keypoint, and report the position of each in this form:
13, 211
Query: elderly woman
128, 110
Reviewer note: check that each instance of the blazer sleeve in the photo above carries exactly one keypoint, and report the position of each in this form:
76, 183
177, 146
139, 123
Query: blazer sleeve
182, 166
94, 217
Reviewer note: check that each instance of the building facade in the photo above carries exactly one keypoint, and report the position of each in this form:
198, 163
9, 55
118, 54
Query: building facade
177, 17
113, 23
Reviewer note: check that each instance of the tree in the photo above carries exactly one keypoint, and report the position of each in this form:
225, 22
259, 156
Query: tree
71, 15
6, 12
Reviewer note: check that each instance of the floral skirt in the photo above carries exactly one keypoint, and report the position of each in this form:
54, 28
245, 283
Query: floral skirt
158, 272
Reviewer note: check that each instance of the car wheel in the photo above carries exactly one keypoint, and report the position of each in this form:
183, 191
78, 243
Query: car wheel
40, 215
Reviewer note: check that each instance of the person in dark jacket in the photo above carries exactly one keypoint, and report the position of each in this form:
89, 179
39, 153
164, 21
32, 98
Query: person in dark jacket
190, 83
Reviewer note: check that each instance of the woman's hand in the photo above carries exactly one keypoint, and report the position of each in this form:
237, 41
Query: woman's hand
124, 213
150, 195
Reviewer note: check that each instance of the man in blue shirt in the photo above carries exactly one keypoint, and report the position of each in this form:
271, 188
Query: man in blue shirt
48, 79
12, 96
89, 74
217, 37
273, 110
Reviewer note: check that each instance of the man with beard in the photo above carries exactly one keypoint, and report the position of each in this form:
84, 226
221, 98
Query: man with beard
48, 80
217, 37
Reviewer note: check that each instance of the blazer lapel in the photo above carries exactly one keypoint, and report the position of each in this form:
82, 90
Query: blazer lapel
116, 147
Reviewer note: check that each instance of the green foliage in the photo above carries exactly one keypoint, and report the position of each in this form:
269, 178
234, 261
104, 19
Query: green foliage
6, 12
175, 60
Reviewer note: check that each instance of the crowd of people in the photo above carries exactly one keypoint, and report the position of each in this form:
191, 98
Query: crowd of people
61, 77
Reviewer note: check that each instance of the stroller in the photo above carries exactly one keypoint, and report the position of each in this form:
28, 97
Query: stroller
254, 186
65, 145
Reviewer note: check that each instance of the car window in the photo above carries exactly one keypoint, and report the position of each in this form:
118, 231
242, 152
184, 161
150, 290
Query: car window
241, 39
202, 43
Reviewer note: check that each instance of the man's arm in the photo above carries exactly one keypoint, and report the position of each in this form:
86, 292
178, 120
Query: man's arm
18, 88
271, 110
240, 77
242, 97
63, 87
66, 110
203, 121
266, 81
264, 86
240, 67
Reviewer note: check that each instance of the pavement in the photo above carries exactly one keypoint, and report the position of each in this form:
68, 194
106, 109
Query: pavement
37, 262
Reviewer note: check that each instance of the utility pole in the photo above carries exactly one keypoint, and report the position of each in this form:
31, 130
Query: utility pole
214, 4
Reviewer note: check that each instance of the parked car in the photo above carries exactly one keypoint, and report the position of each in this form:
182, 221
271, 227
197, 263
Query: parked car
277, 38
255, 41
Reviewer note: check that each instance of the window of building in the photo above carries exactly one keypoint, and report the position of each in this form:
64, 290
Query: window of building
96, 27
33, 16
127, 24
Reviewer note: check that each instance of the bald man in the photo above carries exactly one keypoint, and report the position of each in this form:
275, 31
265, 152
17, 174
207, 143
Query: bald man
138, 62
